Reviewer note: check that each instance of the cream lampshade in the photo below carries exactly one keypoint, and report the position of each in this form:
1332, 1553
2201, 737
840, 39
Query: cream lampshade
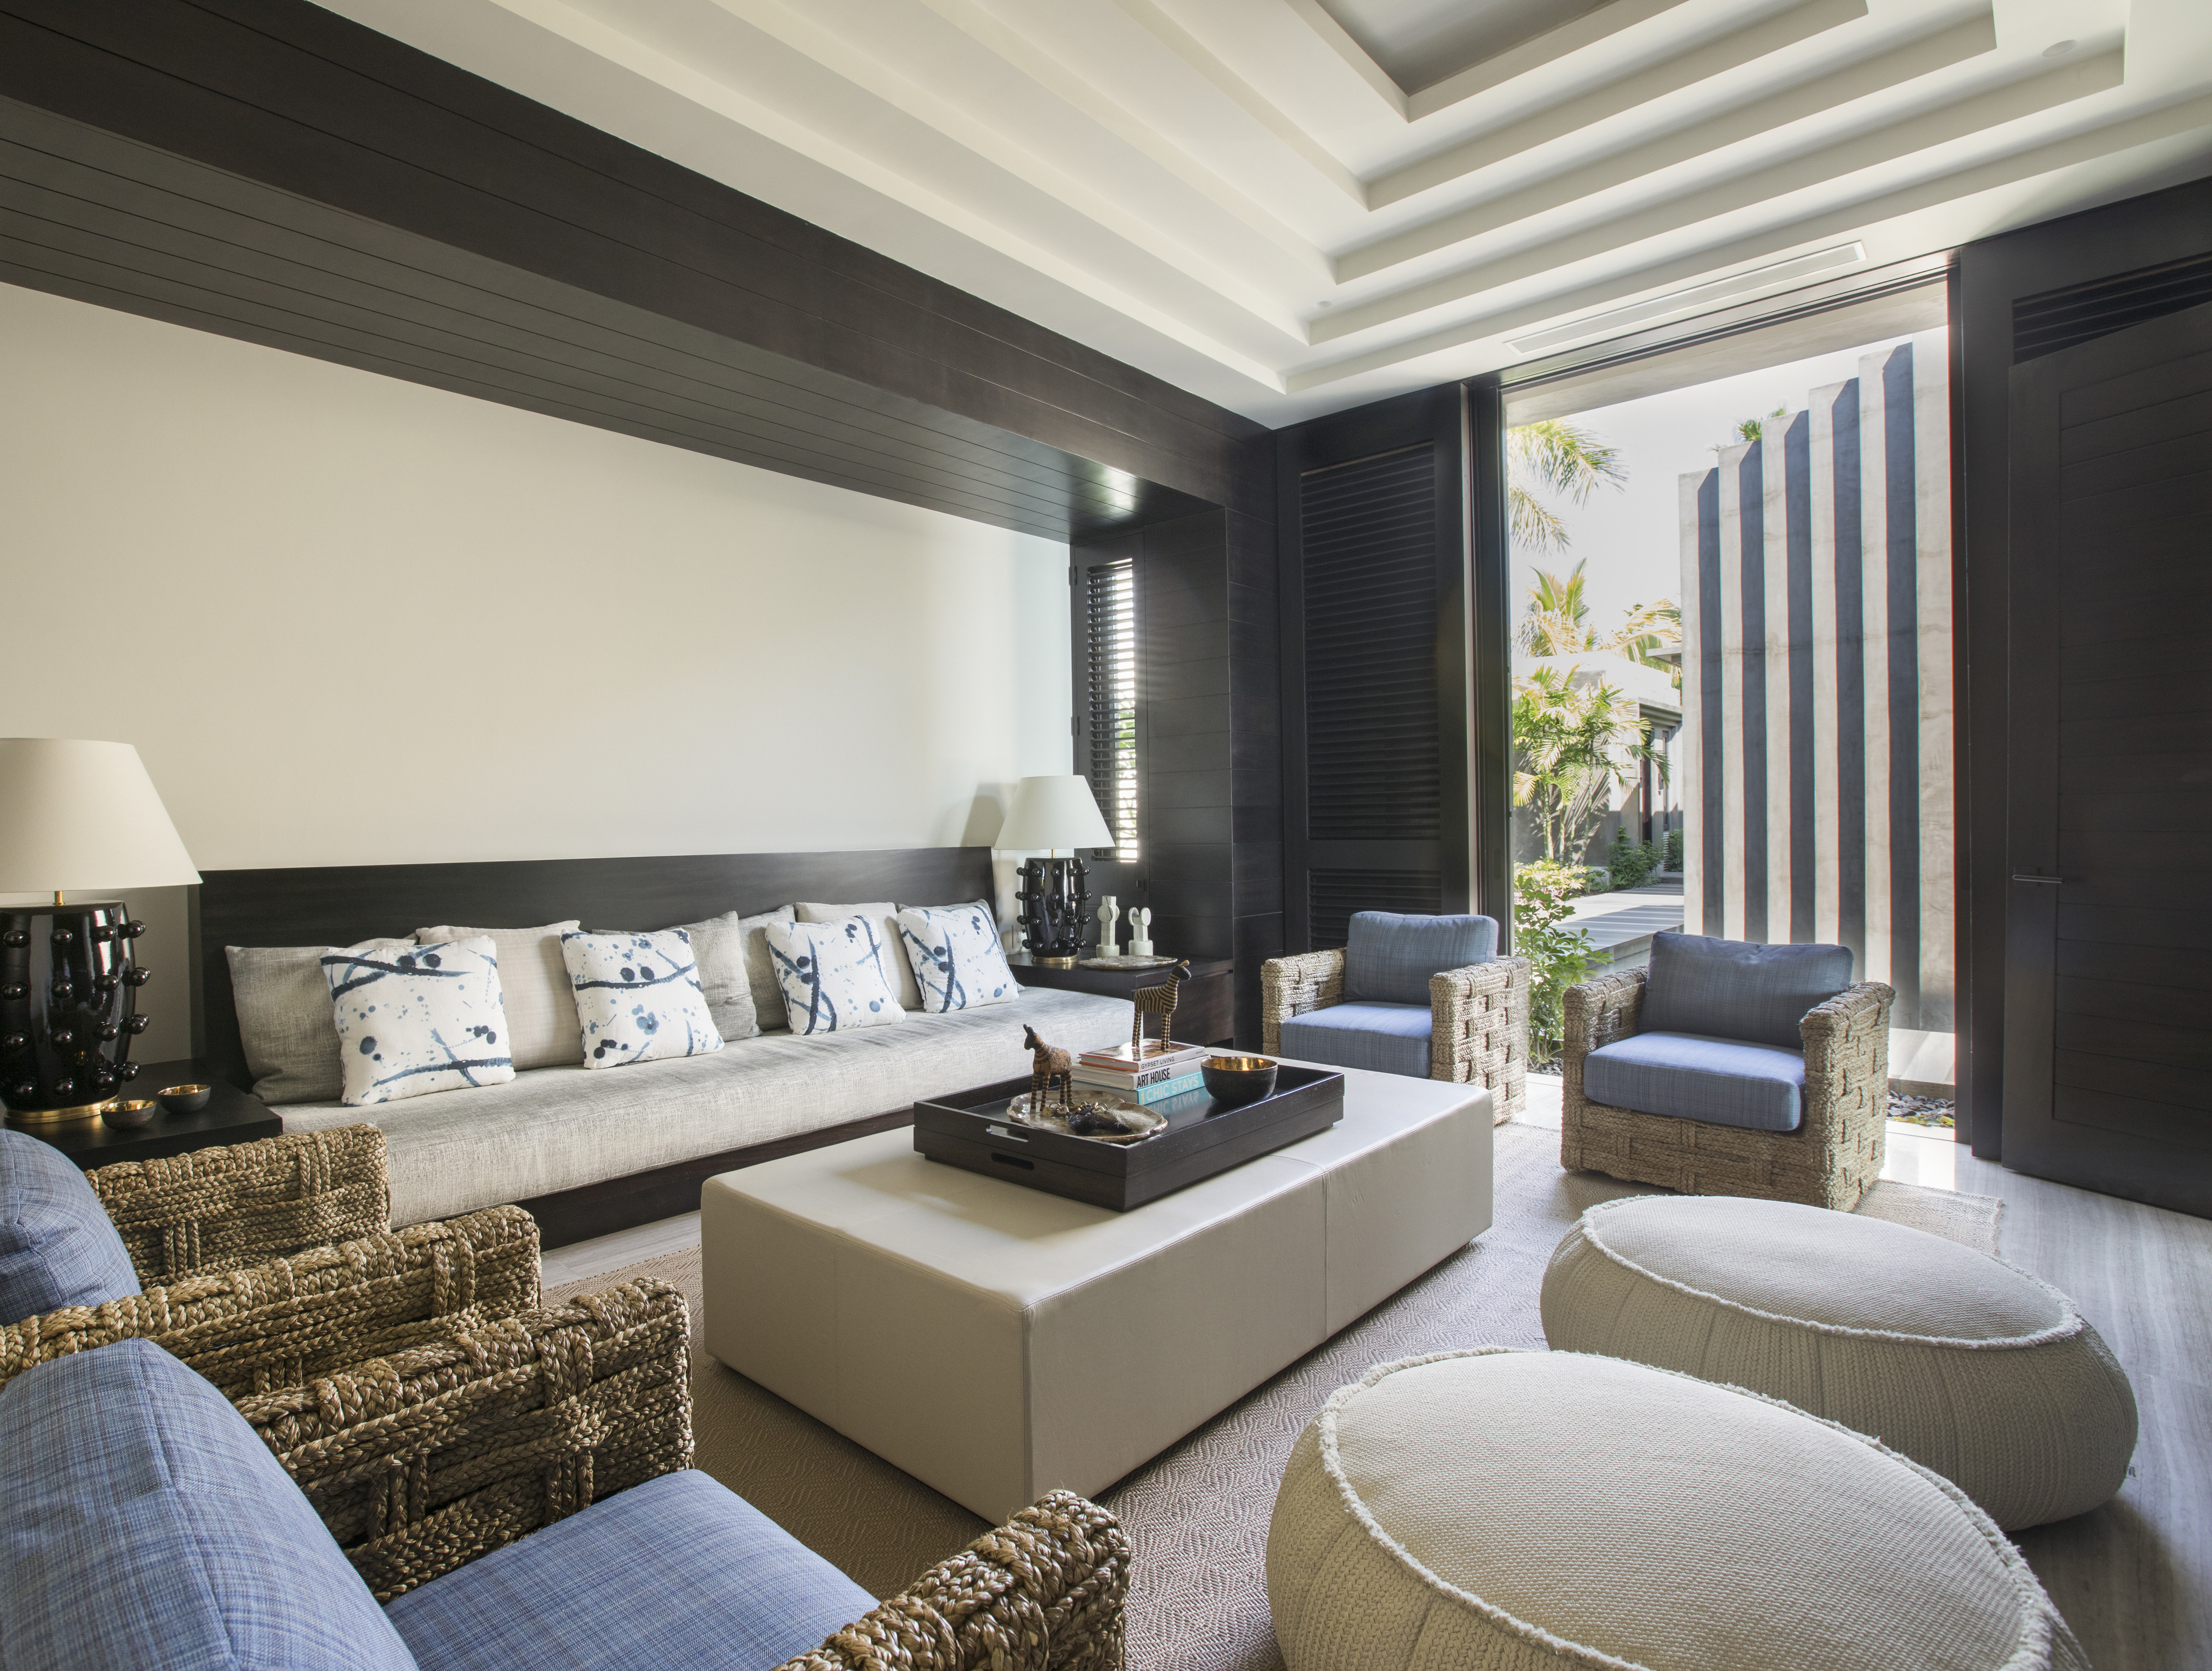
1049, 813
74, 817
1054, 814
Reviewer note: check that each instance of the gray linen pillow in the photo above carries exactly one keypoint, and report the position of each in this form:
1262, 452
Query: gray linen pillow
285, 1020
541, 1029
883, 917
718, 946
760, 970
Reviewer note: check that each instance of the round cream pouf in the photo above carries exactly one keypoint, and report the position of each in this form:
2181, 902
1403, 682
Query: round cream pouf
1517, 1510
1968, 1366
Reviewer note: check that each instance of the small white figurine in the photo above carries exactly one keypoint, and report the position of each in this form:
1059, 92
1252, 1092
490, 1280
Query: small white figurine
1109, 913
1140, 932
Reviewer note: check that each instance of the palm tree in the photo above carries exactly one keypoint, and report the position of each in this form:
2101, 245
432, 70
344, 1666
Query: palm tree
1562, 459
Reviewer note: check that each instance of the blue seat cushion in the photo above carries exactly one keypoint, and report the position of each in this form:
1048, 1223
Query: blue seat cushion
1739, 989
1721, 1081
1388, 958
58, 1245
143, 1524
1383, 1038
678, 1572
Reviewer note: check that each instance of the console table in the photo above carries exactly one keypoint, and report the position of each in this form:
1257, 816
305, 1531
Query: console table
231, 1116
1206, 1009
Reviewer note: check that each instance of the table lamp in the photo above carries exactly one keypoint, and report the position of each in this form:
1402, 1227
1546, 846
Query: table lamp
74, 817
1053, 812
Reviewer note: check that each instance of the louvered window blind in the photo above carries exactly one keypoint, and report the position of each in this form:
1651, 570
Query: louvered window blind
2055, 319
1110, 696
1373, 769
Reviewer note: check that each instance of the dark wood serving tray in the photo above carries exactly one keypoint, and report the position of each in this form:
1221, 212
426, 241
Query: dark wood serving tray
1203, 1137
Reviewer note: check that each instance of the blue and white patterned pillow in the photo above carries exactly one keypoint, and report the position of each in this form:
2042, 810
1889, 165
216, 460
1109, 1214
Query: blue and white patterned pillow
957, 957
831, 974
638, 997
415, 1019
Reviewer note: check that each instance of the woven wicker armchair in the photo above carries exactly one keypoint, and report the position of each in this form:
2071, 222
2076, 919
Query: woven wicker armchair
1479, 1027
246, 1284
1829, 1161
427, 1461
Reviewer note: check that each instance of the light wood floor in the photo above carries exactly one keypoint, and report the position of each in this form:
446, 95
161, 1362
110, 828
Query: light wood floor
2134, 1578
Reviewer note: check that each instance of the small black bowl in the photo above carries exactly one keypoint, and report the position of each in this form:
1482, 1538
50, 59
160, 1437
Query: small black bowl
1238, 1078
184, 1099
128, 1116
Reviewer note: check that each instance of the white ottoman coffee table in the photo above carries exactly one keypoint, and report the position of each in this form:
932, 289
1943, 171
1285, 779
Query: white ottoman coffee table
997, 1342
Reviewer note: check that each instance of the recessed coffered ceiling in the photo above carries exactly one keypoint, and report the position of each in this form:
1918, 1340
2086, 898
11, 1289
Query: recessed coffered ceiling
1292, 206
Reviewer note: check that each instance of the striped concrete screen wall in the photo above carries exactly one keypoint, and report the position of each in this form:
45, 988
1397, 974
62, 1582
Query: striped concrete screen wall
1816, 622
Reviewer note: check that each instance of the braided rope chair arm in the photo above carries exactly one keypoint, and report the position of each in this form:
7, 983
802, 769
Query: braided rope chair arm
1847, 1062
278, 1325
1042, 1593
1598, 1013
422, 1461
1479, 1029
1295, 986
239, 1205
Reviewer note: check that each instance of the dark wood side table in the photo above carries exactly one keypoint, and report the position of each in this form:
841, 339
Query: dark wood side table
231, 1116
1206, 1009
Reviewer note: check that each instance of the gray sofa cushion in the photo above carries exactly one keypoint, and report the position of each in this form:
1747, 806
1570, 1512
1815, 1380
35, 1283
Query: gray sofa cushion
561, 1127
1388, 958
285, 1021
1384, 1038
718, 946
1739, 989
1722, 1082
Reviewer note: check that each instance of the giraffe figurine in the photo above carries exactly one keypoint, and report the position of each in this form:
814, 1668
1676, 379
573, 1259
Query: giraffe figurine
1159, 1001
1051, 1069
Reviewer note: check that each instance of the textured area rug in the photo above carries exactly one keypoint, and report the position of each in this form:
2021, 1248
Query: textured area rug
1197, 1514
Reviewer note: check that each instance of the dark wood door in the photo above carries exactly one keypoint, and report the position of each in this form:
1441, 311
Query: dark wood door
2108, 966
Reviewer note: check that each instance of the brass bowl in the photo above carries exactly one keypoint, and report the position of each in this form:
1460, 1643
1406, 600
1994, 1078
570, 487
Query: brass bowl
184, 1099
1238, 1078
128, 1116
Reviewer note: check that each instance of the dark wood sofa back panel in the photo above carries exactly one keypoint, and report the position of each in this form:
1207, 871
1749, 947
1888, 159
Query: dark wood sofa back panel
337, 905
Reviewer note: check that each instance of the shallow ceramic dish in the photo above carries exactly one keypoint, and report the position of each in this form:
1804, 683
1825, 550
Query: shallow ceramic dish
1130, 1114
184, 1099
1127, 963
128, 1116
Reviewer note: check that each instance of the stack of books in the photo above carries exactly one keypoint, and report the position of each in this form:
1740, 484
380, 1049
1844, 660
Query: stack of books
1164, 1070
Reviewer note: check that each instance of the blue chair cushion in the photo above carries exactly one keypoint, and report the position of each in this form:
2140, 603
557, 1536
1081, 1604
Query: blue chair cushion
1739, 989
58, 1245
1388, 958
678, 1572
1723, 1082
1383, 1038
143, 1524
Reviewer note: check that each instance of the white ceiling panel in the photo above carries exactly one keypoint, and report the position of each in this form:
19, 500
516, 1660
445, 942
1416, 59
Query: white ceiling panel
1292, 206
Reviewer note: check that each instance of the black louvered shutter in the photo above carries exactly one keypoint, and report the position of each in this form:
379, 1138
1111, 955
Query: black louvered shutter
1374, 801
2046, 322
1110, 695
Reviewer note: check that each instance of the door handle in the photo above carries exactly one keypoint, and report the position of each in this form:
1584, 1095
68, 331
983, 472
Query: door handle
2047, 881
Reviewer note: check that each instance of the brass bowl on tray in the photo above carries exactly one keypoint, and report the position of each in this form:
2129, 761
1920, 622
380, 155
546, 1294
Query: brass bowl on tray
184, 1099
1238, 1078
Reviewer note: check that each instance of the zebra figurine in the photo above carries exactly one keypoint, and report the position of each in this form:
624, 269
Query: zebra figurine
1154, 1000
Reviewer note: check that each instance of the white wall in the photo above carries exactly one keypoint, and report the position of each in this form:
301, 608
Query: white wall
348, 620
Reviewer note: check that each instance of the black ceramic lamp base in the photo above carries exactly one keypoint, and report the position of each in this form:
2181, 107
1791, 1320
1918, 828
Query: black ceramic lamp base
69, 999
1055, 901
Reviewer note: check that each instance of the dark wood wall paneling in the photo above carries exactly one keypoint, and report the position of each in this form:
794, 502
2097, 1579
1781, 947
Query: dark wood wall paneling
268, 170
2155, 230
1209, 807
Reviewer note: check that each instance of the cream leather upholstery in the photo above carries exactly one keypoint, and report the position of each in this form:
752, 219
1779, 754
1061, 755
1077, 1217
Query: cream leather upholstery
997, 1342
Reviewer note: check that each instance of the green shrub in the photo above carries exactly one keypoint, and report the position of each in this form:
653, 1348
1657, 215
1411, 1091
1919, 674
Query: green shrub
1630, 862
1674, 849
1591, 879
1560, 955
